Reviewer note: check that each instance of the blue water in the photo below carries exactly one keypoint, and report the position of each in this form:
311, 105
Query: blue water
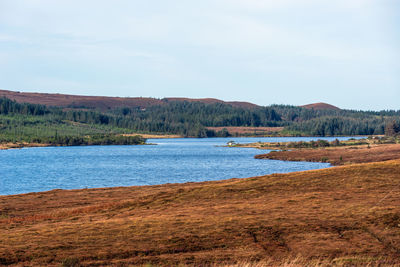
170, 161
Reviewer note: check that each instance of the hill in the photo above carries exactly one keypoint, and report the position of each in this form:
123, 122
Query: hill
320, 106
63, 100
341, 215
103, 102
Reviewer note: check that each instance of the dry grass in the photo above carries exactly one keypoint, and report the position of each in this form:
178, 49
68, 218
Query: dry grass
347, 215
300, 262
4, 146
339, 155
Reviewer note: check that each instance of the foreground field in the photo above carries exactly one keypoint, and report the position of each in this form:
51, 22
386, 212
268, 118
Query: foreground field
342, 215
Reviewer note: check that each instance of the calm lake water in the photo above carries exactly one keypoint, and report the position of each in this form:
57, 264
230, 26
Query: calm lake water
170, 161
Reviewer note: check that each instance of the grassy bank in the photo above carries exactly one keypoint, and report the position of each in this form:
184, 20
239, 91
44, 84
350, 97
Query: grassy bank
338, 155
348, 214
336, 152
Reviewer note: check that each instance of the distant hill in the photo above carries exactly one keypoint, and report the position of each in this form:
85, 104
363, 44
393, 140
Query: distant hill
80, 116
319, 106
104, 102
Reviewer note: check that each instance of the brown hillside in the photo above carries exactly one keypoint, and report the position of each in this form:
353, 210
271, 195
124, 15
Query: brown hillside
348, 215
320, 106
63, 100
102, 102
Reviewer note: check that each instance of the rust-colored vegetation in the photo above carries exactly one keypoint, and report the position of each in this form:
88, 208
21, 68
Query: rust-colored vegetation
348, 215
78, 101
339, 155
103, 102
320, 106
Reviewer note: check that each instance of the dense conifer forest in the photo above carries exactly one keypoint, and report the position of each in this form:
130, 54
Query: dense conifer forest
24, 122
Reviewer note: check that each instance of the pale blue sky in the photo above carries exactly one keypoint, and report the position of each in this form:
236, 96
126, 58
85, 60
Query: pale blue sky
344, 52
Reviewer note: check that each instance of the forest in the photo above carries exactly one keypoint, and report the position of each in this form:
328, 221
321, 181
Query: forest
24, 122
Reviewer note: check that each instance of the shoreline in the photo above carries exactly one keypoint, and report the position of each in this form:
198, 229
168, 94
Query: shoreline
156, 136
338, 156
22, 145
6, 146
336, 153
31, 145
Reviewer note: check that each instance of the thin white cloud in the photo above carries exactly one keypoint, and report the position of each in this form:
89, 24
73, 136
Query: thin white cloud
206, 45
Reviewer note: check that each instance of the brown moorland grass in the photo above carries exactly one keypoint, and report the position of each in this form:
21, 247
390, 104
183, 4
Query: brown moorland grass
320, 105
104, 102
338, 155
347, 215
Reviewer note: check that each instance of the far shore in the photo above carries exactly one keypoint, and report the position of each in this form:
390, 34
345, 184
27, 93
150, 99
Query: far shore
5, 146
156, 136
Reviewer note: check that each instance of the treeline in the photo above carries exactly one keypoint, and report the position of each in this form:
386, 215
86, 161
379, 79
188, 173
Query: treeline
191, 119
8, 106
184, 118
336, 122
216, 115
334, 126
294, 113
106, 139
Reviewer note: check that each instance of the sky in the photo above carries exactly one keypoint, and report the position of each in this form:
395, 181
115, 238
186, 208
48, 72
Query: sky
342, 52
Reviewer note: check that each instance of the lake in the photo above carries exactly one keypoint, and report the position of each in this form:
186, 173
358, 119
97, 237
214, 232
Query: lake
170, 161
